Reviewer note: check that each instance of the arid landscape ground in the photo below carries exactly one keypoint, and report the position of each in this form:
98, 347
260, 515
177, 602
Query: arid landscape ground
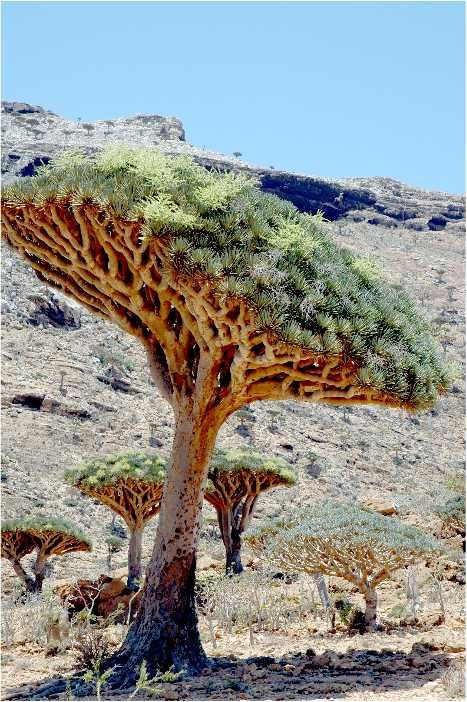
73, 386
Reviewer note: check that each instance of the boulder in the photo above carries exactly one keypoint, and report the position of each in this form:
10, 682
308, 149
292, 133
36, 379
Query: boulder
102, 597
83, 594
49, 310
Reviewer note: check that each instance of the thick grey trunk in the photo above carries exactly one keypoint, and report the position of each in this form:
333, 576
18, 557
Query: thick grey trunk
322, 590
371, 609
165, 631
233, 563
23, 576
135, 548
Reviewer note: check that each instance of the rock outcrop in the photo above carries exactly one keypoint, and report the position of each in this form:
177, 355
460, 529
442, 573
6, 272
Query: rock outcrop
33, 136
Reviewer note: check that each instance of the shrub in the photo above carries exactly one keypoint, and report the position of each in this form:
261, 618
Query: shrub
452, 510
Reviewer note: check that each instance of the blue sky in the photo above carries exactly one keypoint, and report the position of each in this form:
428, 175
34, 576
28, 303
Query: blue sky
325, 88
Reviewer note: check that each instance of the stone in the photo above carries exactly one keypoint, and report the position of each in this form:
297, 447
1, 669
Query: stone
416, 661
48, 309
102, 597
205, 562
382, 506
437, 223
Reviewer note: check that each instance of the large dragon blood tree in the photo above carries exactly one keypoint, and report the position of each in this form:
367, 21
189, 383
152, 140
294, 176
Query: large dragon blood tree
235, 481
237, 297
47, 536
131, 484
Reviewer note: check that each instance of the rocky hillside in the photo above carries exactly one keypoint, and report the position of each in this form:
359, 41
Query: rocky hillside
74, 385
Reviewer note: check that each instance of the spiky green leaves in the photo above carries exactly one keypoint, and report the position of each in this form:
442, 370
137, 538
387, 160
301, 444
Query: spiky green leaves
107, 470
45, 524
226, 462
304, 289
346, 528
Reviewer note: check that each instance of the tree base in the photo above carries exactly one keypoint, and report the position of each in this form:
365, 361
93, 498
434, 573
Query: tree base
187, 659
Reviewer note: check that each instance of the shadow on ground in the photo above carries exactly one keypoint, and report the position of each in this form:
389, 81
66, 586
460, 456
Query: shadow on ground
297, 676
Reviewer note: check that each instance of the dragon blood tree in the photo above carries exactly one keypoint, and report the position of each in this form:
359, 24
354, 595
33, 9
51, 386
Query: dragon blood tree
237, 297
47, 536
131, 484
235, 480
347, 542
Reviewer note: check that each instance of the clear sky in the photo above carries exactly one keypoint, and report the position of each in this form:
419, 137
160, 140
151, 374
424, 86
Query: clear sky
324, 88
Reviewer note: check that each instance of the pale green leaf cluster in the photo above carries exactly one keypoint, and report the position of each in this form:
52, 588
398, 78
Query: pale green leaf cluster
225, 462
304, 289
45, 524
107, 470
345, 528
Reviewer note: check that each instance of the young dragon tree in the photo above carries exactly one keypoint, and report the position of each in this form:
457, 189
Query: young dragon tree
131, 484
48, 536
236, 297
347, 542
235, 480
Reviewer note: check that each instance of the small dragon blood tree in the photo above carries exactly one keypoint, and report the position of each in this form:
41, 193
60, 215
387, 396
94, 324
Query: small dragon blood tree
47, 536
237, 297
235, 480
131, 484
347, 542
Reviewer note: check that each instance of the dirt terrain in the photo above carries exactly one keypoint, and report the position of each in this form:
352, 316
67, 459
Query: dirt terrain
74, 386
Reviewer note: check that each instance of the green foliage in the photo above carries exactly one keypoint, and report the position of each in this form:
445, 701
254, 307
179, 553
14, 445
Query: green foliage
452, 509
344, 611
149, 685
237, 460
114, 543
107, 470
346, 528
44, 524
305, 290
98, 678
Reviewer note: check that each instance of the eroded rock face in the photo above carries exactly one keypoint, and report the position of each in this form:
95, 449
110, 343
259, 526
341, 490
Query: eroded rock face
51, 310
22, 108
32, 136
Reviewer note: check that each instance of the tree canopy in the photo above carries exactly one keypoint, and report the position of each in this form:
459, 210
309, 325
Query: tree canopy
236, 478
251, 246
347, 527
47, 536
232, 463
39, 526
344, 541
103, 471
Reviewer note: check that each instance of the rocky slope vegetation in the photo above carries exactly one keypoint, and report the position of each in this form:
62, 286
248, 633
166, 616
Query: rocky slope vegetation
75, 386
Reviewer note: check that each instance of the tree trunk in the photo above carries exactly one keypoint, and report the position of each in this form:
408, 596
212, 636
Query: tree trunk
39, 571
233, 562
322, 590
232, 541
165, 630
26, 579
39, 582
134, 558
371, 610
